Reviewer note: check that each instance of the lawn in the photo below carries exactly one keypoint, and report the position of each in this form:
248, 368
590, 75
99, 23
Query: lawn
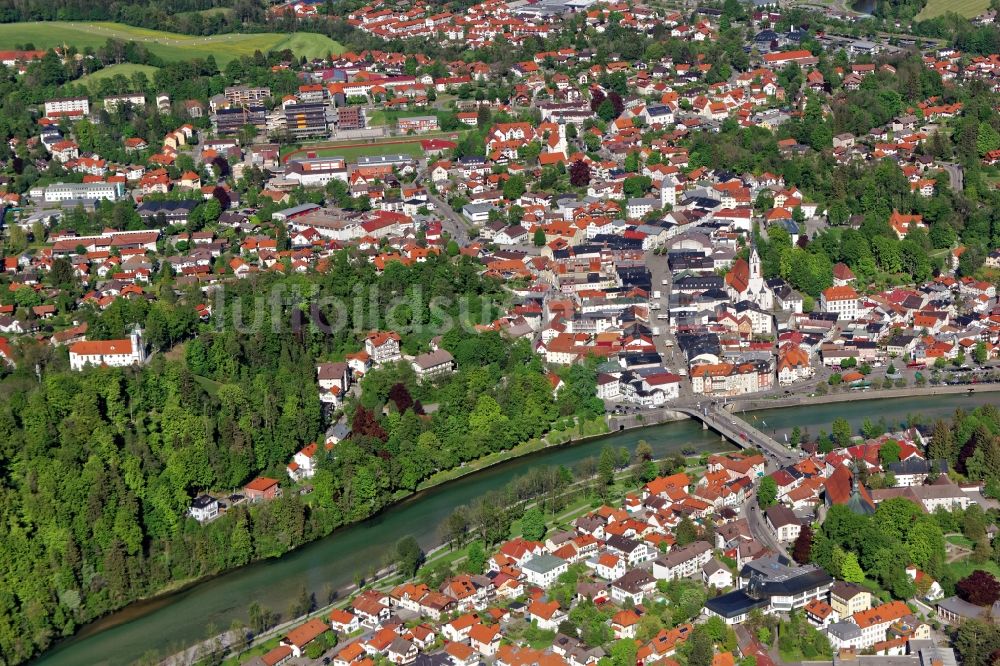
960, 540
384, 117
963, 568
126, 69
167, 45
966, 8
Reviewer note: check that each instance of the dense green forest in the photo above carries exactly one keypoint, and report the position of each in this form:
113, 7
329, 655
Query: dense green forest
99, 467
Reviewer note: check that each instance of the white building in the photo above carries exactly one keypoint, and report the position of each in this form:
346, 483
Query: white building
637, 208
874, 622
112, 353
433, 364
842, 301
715, 574
783, 522
316, 172
382, 347
683, 562
543, 570
57, 192
334, 379
204, 508
303, 465
112, 103
70, 106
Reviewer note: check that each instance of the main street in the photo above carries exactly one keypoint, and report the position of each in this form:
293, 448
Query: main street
452, 222
662, 281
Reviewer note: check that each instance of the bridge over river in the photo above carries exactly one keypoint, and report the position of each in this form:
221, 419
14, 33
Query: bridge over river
740, 432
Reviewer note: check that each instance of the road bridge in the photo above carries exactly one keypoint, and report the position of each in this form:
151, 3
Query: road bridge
740, 432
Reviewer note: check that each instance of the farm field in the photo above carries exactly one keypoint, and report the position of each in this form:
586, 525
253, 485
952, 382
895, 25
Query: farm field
126, 69
966, 8
167, 45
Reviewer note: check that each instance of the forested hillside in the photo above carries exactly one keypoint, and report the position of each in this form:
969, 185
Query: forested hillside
99, 467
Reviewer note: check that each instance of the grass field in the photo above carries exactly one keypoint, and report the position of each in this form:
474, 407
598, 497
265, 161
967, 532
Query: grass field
126, 69
965, 567
167, 45
383, 117
208, 12
411, 148
966, 8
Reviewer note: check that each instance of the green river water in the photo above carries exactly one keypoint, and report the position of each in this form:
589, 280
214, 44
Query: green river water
175, 621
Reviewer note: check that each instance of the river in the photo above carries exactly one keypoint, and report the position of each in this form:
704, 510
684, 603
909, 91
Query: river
173, 622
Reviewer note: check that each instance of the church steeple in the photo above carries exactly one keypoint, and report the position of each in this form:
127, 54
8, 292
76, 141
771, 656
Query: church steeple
755, 272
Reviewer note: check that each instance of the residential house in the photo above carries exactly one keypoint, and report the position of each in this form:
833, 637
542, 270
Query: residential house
433, 364
204, 508
633, 586
304, 634
383, 347
783, 522
683, 562
261, 489
543, 570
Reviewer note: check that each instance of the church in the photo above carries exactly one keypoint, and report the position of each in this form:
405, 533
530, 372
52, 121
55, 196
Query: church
745, 282
111, 353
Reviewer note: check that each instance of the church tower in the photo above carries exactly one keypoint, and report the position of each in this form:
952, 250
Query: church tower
755, 271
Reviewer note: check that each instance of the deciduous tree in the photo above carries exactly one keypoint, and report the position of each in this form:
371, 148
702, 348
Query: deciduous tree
979, 588
767, 492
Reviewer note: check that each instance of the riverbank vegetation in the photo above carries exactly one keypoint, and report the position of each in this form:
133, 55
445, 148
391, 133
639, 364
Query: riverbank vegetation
99, 467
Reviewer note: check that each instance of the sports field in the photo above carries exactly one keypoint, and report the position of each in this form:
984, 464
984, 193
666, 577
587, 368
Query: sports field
966, 8
126, 69
350, 153
167, 45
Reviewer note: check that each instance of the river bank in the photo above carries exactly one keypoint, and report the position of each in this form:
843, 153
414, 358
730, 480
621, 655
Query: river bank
150, 602
755, 405
180, 620
385, 579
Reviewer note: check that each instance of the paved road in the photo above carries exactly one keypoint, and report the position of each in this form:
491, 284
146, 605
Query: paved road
741, 433
662, 280
956, 176
452, 222
758, 525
